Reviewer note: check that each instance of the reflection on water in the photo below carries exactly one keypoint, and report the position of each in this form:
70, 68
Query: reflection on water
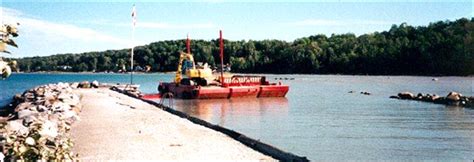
321, 120
220, 110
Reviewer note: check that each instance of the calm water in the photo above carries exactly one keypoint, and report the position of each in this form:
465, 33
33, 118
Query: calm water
18, 83
321, 120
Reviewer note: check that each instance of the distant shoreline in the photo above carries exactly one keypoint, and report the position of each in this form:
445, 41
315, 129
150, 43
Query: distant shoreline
62, 72
172, 72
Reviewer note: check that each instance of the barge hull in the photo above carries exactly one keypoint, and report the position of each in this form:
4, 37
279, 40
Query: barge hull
273, 91
217, 92
212, 92
244, 91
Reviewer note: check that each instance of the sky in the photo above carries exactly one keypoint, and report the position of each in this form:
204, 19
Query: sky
59, 27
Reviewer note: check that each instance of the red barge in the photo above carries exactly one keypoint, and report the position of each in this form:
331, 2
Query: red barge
202, 84
232, 87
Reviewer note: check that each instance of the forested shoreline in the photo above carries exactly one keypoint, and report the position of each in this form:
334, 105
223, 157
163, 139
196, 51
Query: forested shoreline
440, 48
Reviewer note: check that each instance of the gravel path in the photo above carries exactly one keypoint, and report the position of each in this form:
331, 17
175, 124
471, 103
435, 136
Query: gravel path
116, 127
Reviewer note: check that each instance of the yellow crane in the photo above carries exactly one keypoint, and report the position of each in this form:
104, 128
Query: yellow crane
195, 75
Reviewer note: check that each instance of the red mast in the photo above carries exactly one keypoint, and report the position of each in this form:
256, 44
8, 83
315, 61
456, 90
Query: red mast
188, 44
222, 56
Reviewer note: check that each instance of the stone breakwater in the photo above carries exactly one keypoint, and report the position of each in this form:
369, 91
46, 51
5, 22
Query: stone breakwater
39, 123
453, 98
115, 126
43, 122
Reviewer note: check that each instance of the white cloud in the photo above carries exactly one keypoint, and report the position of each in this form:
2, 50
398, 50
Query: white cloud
150, 25
325, 22
70, 31
56, 31
175, 26
9, 12
153, 25
44, 37
315, 22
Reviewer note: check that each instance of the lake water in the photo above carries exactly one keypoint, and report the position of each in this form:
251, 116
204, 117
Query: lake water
321, 120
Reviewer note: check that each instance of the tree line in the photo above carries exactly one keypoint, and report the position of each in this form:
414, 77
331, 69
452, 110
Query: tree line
440, 48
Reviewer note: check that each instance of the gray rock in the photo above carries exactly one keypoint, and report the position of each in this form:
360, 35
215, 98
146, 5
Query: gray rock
62, 85
60, 107
49, 129
70, 116
49, 94
435, 97
419, 96
52, 108
406, 95
29, 96
41, 108
84, 84
23, 106
75, 100
69, 99
454, 96
40, 92
74, 85
26, 112
17, 127
95, 84
64, 96
395, 97
18, 98
29, 119
4, 119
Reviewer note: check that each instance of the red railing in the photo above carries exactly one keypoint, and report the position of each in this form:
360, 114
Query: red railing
244, 81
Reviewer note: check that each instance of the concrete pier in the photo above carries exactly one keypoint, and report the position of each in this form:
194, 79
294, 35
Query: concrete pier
114, 126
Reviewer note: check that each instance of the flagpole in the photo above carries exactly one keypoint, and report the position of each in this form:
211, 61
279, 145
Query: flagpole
221, 45
133, 42
131, 59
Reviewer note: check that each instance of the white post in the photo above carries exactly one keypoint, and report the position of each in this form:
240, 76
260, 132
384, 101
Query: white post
131, 59
133, 42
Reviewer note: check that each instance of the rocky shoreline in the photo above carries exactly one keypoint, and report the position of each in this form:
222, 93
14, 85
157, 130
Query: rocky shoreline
37, 124
452, 99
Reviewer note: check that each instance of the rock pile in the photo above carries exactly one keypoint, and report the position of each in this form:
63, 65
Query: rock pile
362, 92
86, 84
365, 93
39, 127
453, 98
128, 89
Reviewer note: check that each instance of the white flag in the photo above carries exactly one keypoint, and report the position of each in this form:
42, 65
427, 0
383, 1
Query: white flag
134, 16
